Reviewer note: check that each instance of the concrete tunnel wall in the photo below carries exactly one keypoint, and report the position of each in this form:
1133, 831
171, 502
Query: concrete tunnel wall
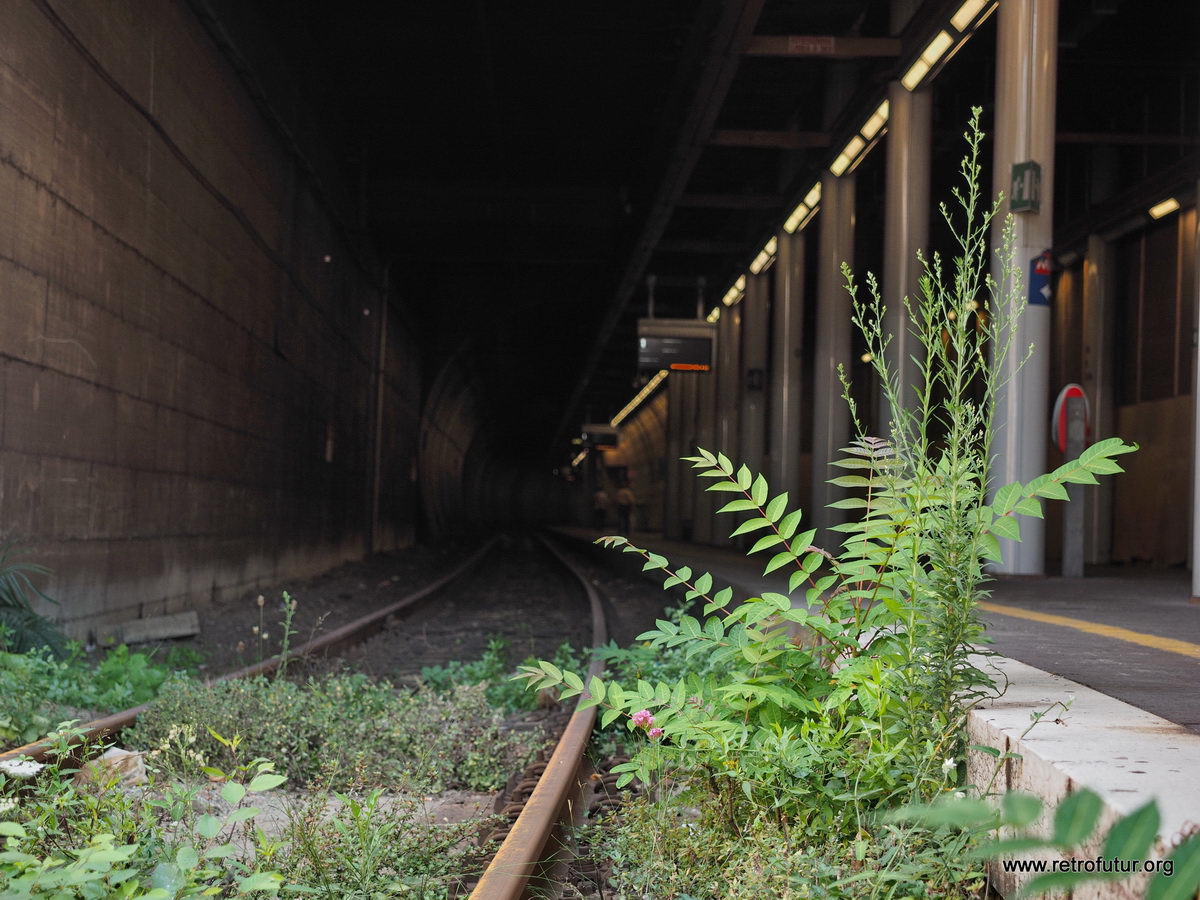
187, 386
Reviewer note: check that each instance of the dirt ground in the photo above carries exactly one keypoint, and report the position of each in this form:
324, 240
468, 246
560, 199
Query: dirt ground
228, 639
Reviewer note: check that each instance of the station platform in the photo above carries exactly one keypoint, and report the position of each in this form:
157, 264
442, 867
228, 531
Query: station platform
1128, 633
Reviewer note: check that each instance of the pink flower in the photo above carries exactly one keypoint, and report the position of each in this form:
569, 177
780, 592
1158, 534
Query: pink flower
642, 718
654, 733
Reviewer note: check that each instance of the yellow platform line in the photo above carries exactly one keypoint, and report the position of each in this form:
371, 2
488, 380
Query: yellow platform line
1168, 645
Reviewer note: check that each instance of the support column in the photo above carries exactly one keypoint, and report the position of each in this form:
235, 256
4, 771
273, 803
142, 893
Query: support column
728, 399
787, 343
706, 435
672, 514
1195, 555
1026, 85
1099, 371
905, 231
688, 424
831, 418
756, 331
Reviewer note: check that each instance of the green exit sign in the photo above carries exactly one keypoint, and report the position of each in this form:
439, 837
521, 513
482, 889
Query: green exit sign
1026, 192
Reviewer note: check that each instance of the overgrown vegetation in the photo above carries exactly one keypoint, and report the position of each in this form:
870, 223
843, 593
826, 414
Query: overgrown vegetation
795, 719
339, 731
39, 689
493, 670
69, 836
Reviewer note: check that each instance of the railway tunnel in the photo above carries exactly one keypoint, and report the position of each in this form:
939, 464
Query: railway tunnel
286, 286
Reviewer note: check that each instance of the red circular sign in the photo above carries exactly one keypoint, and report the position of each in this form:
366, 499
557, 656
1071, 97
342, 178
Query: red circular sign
1058, 419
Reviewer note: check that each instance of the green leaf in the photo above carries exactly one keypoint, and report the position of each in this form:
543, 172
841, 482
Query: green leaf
1134, 835
596, 688
724, 463
741, 505
266, 781
1185, 874
989, 547
1007, 527
232, 793
12, 829
608, 716
769, 540
1076, 817
1020, 809
744, 477
1006, 498
779, 559
242, 814
777, 507
207, 826
750, 525
760, 490
260, 881
187, 858
221, 851
789, 524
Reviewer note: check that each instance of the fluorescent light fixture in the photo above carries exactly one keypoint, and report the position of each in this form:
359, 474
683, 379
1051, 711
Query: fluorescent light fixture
740, 284
1165, 208
913, 76
641, 395
878, 120
772, 246
580, 457
967, 13
714, 315
765, 256
813, 197
848, 155
734, 293
794, 220
932, 54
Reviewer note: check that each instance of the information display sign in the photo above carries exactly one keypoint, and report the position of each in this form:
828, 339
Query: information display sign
678, 345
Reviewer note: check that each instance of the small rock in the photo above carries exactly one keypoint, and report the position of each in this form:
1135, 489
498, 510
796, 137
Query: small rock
127, 765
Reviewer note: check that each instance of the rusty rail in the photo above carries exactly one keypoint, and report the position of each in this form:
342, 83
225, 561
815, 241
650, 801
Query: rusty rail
350, 633
537, 847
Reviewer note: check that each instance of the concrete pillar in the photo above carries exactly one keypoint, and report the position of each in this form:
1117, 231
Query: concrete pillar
831, 418
756, 336
706, 437
1099, 372
787, 343
1026, 84
905, 231
676, 474
728, 399
688, 425
1195, 554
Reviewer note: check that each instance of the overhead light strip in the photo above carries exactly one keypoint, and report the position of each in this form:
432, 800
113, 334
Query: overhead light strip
641, 395
1165, 208
580, 457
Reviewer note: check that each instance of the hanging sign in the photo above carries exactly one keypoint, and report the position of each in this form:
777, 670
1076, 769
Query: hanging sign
1026, 193
1041, 288
678, 345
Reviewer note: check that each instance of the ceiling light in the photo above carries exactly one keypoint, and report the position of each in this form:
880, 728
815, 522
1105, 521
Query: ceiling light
794, 220
582, 455
967, 13
877, 120
714, 315
848, 155
913, 76
1168, 206
933, 52
813, 197
641, 395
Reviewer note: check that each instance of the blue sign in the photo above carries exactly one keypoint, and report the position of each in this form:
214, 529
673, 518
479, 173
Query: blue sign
1041, 269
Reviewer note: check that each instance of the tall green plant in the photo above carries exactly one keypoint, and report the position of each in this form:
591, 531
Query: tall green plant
21, 627
849, 690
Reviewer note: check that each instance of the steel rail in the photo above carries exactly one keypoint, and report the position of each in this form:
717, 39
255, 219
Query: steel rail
536, 846
350, 633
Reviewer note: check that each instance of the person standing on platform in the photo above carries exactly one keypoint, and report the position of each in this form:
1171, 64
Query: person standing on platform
625, 503
600, 505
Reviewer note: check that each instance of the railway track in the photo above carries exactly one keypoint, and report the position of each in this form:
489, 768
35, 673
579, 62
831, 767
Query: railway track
535, 854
